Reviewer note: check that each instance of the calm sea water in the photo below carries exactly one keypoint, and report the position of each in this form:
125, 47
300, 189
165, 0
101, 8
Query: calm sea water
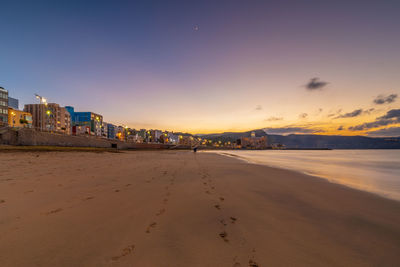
376, 171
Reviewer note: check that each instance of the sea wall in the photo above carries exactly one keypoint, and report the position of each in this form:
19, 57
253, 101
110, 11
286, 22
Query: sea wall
30, 137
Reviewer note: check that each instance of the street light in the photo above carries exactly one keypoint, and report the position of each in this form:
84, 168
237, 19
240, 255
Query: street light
41, 99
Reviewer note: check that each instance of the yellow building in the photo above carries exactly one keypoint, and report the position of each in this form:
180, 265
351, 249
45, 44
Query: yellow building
18, 118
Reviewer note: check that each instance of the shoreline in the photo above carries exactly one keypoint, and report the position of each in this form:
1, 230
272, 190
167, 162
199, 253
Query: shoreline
178, 208
304, 172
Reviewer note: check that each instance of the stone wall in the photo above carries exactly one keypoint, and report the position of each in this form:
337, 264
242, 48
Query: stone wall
31, 137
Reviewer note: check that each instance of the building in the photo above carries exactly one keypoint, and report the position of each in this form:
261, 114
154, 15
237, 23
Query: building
13, 103
104, 130
155, 136
19, 119
3, 107
142, 133
93, 120
81, 130
136, 138
50, 117
111, 131
121, 133
254, 142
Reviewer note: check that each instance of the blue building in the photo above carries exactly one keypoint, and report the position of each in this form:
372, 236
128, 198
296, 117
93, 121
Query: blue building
92, 120
13, 103
112, 131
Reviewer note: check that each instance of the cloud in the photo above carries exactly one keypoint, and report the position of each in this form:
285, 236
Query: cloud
290, 130
391, 117
355, 113
393, 113
340, 128
381, 99
274, 119
337, 112
259, 107
315, 84
352, 114
303, 115
386, 132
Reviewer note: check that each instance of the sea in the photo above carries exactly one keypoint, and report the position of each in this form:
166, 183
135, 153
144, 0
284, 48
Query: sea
376, 171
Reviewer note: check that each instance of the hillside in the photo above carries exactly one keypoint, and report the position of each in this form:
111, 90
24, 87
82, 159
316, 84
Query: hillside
314, 141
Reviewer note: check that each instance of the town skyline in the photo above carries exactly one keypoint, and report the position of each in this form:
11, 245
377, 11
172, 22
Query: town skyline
211, 67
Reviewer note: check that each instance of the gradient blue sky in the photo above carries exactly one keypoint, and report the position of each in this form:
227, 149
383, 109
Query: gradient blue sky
142, 63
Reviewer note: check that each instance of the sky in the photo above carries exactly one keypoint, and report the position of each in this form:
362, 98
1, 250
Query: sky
322, 67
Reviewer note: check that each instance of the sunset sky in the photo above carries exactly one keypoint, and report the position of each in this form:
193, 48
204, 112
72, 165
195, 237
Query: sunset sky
325, 67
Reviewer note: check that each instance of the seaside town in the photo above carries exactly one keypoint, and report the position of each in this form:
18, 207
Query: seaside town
54, 119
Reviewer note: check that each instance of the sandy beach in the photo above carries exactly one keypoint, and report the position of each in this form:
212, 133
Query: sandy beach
178, 208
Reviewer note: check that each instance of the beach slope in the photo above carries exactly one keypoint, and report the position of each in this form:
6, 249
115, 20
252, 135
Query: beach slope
166, 208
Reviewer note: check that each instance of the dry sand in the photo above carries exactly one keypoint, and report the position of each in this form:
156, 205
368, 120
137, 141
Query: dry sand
183, 209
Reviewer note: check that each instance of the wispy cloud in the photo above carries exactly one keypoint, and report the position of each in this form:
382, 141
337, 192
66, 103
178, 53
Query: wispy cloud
391, 117
303, 115
340, 128
290, 130
381, 99
274, 119
337, 112
352, 114
355, 113
259, 107
315, 84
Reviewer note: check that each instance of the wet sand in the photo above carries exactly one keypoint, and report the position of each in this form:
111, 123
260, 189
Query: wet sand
166, 208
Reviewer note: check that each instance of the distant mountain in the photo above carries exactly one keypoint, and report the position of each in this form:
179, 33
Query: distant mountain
314, 141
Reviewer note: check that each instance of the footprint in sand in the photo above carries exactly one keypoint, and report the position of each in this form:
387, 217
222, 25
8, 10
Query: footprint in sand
2, 201
253, 264
128, 185
30, 191
223, 222
218, 207
224, 236
233, 219
88, 198
125, 251
221, 198
236, 264
116, 191
161, 211
54, 211
152, 225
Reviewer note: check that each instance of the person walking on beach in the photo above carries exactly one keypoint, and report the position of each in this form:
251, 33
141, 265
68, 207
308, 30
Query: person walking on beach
195, 149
